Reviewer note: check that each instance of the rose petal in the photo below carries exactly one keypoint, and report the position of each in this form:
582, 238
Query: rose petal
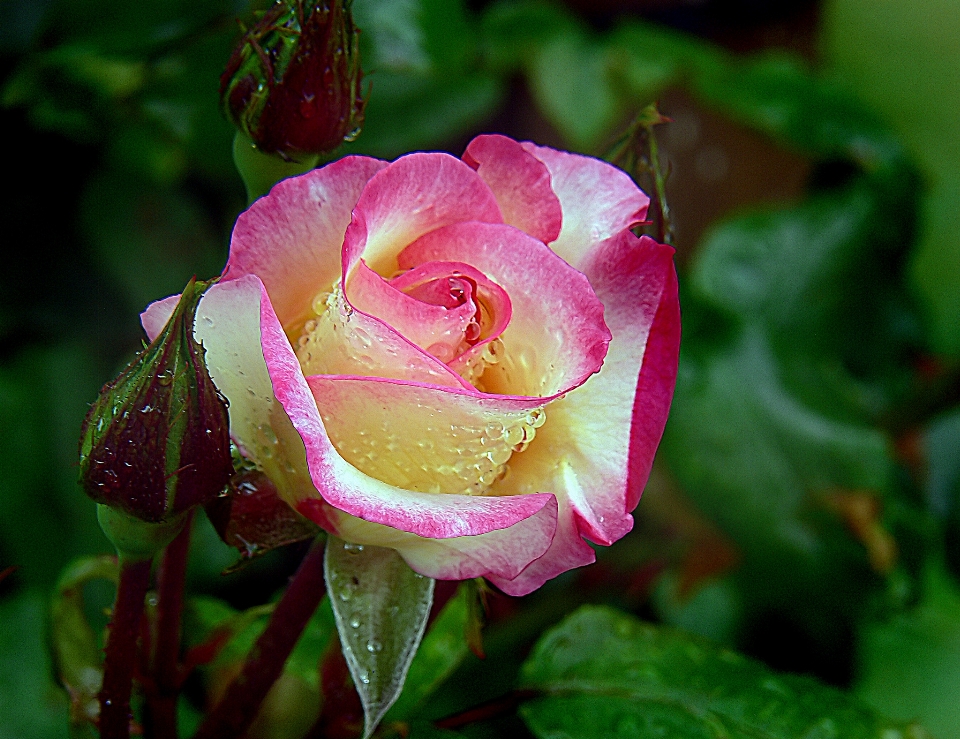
438, 329
503, 553
597, 447
415, 194
345, 341
425, 438
567, 551
598, 200
521, 184
557, 337
347, 488
291, 238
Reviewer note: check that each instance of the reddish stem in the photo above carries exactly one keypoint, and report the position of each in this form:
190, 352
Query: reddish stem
234, 714
120, 653
167, 678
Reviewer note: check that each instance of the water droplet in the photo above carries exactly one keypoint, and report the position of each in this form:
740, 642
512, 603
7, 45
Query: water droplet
351, 548
374, 646
165, 377
354, 622
513, 435
536, 418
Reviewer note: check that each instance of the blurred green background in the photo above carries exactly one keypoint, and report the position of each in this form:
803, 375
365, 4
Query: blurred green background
804, 506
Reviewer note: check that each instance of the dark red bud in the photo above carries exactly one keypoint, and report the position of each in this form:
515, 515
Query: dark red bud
293, 84
156, 442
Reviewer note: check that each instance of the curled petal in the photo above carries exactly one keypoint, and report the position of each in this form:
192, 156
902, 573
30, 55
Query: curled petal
342, 340
415, 194
567, 551
349, 489
597, 448
442, 307
291, 238
503, 553
521, 184
598, 200
557, 337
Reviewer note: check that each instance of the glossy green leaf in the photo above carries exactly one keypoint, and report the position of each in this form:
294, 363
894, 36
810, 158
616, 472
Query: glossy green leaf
381, 608
602, 673
441, 651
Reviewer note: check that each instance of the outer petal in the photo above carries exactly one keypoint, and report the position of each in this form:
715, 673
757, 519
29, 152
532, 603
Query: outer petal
598, 200
500, 554
521, 184
596, 449
291, 238
414, 195
557, 337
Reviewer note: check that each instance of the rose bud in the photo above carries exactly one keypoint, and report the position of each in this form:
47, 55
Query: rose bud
156, 442
292, 85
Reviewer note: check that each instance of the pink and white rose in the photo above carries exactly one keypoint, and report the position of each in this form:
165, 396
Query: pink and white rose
469, 361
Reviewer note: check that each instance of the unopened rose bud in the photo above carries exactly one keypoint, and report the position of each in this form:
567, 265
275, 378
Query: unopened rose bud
292, 85
156, 442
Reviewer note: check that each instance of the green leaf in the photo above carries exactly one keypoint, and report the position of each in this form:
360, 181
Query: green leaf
602, 673
757, 460
571, 81
909, 667
31, 706
76, 651
441, 651
381, 608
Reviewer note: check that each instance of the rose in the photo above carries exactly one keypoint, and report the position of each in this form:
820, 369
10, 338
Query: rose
415, 368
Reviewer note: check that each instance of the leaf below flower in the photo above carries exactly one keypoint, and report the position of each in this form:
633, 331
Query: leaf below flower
381, 608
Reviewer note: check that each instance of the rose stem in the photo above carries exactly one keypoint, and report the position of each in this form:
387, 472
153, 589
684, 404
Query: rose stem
120, 653
234, 714
665, 225
162, 700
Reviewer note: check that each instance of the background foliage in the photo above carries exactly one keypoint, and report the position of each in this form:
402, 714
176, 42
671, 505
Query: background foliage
805, 507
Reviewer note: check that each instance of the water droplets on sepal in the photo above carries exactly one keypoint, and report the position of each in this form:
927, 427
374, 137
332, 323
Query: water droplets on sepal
380, 621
